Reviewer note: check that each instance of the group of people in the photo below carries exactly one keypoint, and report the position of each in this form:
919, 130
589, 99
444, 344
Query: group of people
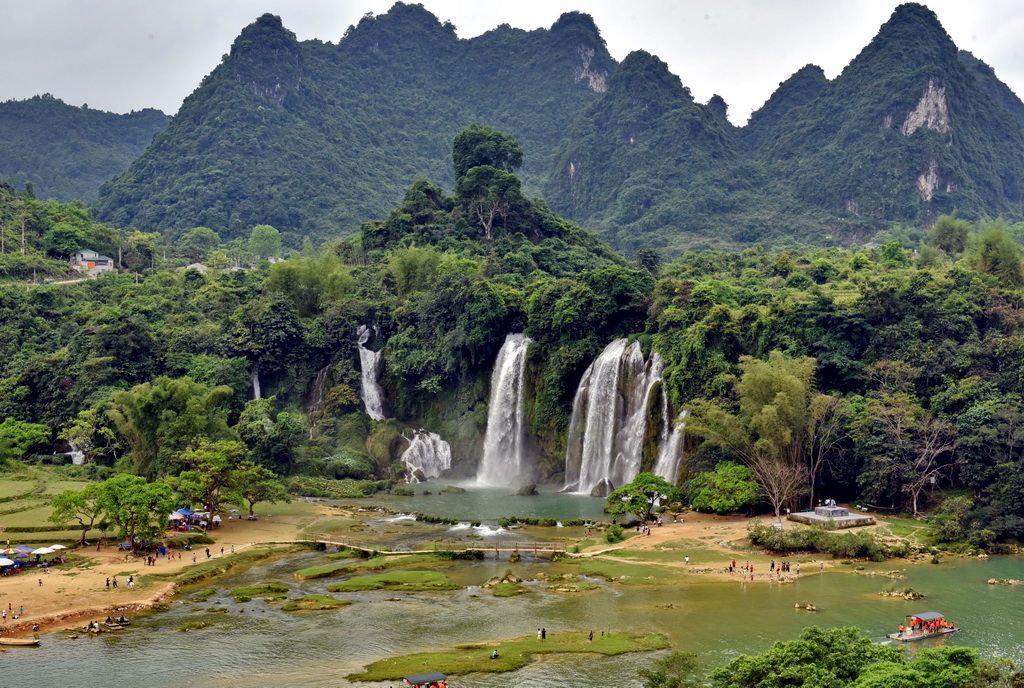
777, 568
925, 627
10, 611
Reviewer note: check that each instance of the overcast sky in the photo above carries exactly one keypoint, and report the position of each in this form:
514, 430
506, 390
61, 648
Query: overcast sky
125, 55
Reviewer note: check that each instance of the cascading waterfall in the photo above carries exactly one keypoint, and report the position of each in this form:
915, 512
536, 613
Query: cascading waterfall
317, 398
369, 361
504, 460
427, 456
609, 418
670, 453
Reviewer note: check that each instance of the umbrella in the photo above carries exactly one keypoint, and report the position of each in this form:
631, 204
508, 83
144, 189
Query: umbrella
4, 561
57, 547
22, 551
9, 550
42, 550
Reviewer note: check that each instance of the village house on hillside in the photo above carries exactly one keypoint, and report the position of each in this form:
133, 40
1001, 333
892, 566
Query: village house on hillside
91, 263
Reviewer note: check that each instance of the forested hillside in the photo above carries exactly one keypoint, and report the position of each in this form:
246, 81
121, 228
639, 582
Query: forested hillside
899, 364
67, 152
314, 138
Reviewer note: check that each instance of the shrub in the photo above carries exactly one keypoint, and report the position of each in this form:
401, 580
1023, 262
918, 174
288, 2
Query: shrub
614, 534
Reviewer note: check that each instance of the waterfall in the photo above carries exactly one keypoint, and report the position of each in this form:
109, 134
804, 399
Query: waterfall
670, 453
504, 458
427, 456
317, 398
609, 418
254, 375
369, 361
76, 455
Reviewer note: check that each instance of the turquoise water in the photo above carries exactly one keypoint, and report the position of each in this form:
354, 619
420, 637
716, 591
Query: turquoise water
490, 504
266, 647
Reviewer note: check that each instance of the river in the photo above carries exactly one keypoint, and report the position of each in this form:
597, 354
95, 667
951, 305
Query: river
264, 646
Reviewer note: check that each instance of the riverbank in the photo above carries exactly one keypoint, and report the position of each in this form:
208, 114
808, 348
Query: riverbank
74, 593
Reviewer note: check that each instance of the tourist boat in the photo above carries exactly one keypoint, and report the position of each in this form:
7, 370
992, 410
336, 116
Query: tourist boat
926, 625
433, 679
19, 642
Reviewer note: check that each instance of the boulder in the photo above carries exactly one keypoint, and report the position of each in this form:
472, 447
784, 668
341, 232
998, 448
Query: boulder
602, 489
526, 491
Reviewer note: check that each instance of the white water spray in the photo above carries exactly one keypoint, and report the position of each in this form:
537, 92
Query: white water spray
504, 460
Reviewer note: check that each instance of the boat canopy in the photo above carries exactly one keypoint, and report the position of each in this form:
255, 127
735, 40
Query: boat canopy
421, 679
928, 616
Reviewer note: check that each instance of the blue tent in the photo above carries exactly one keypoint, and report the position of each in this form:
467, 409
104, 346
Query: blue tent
184, 511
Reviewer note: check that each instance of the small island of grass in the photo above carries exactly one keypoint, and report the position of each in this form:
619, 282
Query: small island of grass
314, 603
402, 581
271, 592
512, 654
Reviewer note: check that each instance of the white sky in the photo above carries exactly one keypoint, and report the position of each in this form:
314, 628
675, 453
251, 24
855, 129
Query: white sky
122, 55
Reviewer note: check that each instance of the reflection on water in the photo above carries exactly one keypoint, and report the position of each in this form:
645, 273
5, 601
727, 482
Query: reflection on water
263, 646
491, 503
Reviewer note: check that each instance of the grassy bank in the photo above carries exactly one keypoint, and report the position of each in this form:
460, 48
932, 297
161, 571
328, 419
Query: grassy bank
377, 563
399, 581
314, 603
512, 654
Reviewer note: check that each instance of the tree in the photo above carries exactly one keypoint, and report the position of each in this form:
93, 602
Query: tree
997, 254
478, 145
63, 239
208, 471
828, 418
253, 484
197, 242
676, 670
902, 445
649, 260
138, 508
90, 432
265, 241
17, 437
271, 436
159, 419
640, 496
488, 193
774, 428
727, 489
819, 657
949, 233
85, 506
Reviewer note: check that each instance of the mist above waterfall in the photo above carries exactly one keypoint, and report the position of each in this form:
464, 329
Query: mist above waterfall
504, 460
427, 456
609, 418
369, 362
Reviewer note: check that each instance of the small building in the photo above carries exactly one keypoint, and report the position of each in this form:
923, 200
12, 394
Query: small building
91, 263
831, 516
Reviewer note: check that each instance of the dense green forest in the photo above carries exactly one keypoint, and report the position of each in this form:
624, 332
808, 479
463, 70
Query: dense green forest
67, 152
895, 364
314, 138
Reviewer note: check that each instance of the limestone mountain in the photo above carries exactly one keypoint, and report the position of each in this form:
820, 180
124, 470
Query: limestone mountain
316, 137
644, 157
67, 152
911, 128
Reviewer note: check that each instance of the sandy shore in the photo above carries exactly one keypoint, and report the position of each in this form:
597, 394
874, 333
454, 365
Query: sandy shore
70, 596
722, 535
